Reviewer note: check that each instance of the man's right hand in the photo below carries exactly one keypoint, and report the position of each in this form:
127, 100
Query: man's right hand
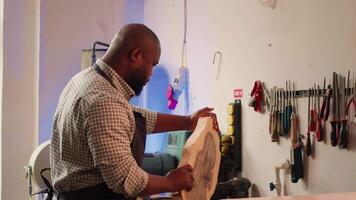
176, 180
181, 178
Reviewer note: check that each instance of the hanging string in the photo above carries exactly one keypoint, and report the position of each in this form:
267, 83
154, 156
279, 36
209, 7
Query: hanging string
184, 51
184, 60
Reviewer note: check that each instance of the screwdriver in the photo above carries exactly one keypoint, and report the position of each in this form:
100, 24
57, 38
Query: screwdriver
322, 110
294, 119
343, 130
282, 113
334, 122
312, 122
326, 104
308, 133
319, 124
288, 111
274, 135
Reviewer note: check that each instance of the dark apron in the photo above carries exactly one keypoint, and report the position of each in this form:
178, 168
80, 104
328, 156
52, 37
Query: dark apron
102, 191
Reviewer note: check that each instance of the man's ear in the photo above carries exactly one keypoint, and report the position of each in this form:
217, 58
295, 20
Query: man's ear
135, 55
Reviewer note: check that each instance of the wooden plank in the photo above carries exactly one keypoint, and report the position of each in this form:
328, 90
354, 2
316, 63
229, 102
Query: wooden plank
330, 196
202, 152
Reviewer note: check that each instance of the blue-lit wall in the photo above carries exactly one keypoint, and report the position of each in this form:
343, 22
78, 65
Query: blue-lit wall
62, 40
156, 100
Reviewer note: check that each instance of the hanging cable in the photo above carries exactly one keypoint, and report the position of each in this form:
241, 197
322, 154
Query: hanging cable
181, 80
184, 50
184, 60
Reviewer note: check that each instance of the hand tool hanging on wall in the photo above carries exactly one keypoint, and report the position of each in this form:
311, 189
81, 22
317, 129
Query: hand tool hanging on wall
334, 122
343, 130
280, 112
354, 97
287, 110
267, 97
274, 135
256, 99
319, 124
270, 125
325, 108
352, 101
297, 145
284, 112
312, 122
309, 122
294, 119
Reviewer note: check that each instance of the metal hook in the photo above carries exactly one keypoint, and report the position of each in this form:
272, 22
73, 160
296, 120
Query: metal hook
218, 72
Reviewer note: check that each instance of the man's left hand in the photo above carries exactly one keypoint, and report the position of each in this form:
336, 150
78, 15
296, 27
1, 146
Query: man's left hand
204, 112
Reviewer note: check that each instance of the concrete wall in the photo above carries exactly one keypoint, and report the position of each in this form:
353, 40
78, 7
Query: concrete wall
302, 41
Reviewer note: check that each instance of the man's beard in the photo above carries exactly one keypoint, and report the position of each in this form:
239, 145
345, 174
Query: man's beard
137, 87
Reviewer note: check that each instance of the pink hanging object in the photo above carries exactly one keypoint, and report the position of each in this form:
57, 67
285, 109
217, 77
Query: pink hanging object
175, 89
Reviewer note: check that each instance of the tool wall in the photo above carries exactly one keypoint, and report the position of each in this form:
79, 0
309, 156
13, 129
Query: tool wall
302, 41
336, 99
330, 117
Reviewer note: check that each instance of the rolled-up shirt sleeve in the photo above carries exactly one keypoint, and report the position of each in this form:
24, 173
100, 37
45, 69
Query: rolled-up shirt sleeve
150, 116
109, 135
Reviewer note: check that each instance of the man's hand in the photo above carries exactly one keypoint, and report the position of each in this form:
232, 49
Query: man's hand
204, 112
181, 178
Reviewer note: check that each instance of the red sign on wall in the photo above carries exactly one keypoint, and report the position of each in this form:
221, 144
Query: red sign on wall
238, 93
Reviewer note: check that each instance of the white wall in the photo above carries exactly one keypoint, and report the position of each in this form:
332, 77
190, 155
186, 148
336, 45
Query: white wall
19, 95
67, 27
63, 38
1, 78
300, 40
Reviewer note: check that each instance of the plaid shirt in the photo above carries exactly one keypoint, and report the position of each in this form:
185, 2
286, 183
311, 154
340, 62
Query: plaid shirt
92, 132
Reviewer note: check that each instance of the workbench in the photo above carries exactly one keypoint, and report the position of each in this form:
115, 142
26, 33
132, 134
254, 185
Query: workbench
330, 196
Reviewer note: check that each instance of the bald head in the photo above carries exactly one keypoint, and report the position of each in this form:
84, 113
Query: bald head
130, 37
133, 53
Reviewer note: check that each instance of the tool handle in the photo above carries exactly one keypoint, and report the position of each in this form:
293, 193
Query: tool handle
312, 123
284, 121
343, 134
280, 123
319, 129
297, 171
323, 107
274, 135
309, 147
287, 120
327, 109
270, 125
333, 133
294, 129
338, 128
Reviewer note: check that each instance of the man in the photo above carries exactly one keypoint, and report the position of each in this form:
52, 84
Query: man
98, 137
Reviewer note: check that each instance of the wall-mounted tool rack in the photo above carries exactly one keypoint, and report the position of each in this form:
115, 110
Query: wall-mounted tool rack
306, 93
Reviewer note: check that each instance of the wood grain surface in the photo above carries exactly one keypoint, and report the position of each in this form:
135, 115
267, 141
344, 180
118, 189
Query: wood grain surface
202, 152
330, 196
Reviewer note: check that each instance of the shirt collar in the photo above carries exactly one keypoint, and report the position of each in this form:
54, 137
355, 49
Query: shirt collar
118, 82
